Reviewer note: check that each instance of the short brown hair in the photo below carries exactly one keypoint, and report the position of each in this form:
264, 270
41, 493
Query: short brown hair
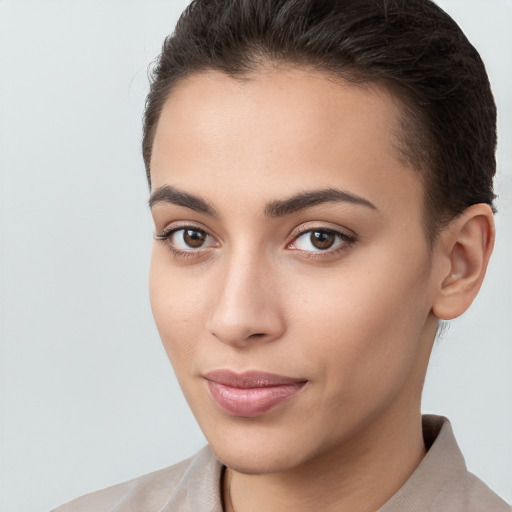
412, 47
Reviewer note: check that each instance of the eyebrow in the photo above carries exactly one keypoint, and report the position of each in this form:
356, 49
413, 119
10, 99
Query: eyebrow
278, 208
168, 194
313, 198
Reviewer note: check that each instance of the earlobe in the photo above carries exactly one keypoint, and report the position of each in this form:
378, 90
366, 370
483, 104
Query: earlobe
467, 245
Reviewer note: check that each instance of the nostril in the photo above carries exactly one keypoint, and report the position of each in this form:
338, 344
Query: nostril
257, 335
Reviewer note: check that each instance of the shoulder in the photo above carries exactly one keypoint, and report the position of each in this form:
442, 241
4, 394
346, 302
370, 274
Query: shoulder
470, 494
442, 482
462, 490
174, 488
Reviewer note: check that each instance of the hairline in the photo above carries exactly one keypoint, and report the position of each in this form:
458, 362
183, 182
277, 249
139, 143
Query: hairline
407, 123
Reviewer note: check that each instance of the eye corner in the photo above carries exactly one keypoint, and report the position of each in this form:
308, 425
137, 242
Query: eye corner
320, 241
187, 240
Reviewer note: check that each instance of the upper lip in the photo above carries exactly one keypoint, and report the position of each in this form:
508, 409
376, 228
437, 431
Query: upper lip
250, 379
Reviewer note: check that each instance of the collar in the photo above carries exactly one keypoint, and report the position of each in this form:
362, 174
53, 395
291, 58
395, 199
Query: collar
442, 463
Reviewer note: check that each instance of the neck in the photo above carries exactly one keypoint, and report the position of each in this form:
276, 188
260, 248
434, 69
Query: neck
379, 459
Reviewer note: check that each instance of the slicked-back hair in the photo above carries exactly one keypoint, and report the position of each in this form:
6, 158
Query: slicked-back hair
411, 47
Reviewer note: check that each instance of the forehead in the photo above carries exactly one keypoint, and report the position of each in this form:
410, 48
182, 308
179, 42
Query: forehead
282, 128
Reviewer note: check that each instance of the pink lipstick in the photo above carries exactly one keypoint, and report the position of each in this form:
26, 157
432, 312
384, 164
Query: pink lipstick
250, 394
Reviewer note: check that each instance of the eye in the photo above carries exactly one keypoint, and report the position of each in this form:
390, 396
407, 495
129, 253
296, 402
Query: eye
321, 240
187, 239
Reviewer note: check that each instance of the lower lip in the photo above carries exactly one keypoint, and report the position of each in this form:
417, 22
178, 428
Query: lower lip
251, 402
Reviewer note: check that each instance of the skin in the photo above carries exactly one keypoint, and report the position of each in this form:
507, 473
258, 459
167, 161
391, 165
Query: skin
356, 321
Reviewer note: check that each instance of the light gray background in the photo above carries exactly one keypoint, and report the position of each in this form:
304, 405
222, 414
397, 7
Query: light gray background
87, 397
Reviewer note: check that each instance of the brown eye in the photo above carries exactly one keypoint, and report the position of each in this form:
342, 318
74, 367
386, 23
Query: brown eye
194, 238
322, 239
187, 240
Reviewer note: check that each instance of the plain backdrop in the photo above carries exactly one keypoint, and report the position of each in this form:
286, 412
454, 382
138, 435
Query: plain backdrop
87, 397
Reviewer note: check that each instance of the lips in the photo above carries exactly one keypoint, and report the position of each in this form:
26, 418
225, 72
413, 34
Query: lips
250, 394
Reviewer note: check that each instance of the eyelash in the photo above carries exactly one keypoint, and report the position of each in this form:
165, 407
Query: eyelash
347, 241
166, 236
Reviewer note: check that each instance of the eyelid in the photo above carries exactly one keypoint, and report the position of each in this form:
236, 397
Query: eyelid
322, 226
167, 233
347, 237
174, 226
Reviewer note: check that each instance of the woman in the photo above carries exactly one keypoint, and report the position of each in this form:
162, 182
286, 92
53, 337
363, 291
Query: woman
321, 189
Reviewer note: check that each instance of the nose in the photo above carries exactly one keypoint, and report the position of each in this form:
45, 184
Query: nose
246, 308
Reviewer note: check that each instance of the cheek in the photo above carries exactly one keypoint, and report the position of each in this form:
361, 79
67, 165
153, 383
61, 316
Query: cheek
177, 306
362, 328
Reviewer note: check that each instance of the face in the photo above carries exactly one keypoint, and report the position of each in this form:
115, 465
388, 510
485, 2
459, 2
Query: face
291, 281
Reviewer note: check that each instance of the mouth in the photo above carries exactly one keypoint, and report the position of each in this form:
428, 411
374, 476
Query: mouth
250, 394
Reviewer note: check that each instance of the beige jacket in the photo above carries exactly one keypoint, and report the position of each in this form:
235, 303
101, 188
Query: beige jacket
440, 483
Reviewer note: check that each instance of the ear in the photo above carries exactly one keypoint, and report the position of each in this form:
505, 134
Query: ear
464, 248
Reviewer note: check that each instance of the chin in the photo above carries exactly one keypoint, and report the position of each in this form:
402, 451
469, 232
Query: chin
255, 461
261, 447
